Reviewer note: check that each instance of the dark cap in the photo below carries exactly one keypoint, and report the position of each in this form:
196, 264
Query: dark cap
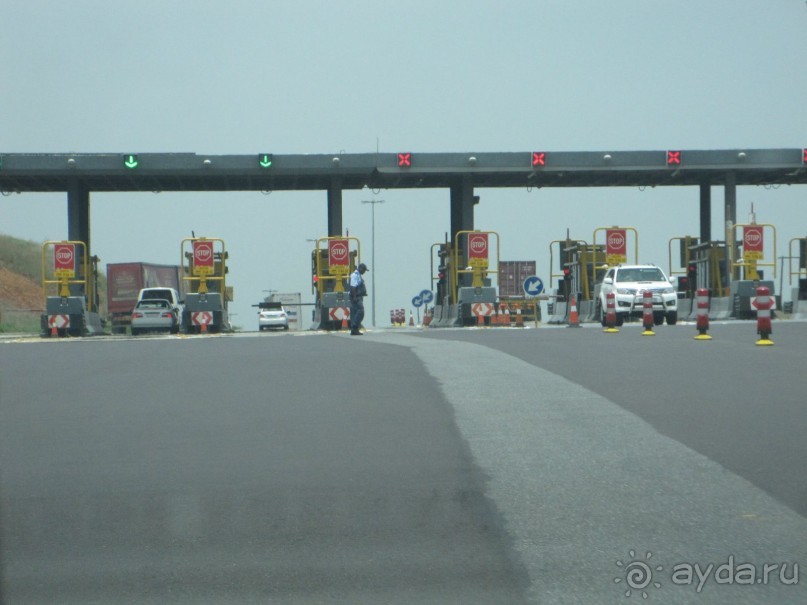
363, 268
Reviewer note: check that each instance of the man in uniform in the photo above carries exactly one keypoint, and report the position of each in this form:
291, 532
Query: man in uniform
357, 293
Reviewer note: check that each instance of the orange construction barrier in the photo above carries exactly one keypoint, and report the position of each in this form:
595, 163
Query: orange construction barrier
574, 316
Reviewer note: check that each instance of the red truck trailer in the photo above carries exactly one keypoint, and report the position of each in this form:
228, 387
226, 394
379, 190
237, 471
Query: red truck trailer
124, 282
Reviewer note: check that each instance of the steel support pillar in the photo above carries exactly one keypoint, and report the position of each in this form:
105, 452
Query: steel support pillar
706, 213
78, 226
731, 219
462, 207
78, 214
335, 208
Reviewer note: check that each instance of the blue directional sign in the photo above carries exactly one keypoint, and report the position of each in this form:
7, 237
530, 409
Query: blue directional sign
426, 296
417, 302
533, 286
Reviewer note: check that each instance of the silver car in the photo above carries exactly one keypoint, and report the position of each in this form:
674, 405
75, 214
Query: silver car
272, 315
152, 314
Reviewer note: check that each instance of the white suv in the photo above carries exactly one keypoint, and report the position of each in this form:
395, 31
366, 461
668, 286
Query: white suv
628, 283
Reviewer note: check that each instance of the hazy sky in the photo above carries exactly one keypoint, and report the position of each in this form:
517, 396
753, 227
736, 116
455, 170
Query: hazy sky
253, 76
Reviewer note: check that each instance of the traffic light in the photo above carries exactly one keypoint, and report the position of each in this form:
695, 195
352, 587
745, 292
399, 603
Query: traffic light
265, 160
567, 281
442, 282
130, 161
405, 160
692, 276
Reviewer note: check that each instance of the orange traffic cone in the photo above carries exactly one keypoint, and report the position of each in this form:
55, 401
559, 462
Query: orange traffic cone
506, 315
519, 317
411, 320
344, 322
574, 318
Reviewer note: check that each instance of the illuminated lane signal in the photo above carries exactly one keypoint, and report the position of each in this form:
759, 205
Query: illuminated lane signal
405, 160
804, 156
130, 161
265, 160
538, 158
673, 158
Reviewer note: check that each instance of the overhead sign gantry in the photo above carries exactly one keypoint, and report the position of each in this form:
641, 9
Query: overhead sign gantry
80, 174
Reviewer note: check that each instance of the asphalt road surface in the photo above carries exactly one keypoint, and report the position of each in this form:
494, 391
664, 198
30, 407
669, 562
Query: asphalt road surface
443, 466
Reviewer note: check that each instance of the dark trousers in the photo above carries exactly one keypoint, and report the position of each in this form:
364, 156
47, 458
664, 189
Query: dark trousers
356, 313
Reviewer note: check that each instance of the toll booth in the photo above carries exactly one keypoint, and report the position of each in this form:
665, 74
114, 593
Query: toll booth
466, 280
332, 262
756, 250
204, 273
580, 266
70, 287
730, 270
577, 268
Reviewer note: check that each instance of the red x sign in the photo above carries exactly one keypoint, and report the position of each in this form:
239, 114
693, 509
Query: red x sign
538, 158
673, 158
804, 157
404, 160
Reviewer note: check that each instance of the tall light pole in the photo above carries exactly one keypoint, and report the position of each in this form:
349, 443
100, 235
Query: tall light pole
372, 251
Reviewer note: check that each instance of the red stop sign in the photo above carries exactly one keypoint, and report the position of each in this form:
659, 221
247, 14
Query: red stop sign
616, 242
64, 257
753, 240
203, 254
478, 245
338, 252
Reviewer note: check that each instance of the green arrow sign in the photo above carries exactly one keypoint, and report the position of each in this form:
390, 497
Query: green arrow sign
131, 161
265, 160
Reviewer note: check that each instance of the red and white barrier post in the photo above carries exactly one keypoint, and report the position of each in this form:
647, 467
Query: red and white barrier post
610, 313
647, 313
703, 314
764, 304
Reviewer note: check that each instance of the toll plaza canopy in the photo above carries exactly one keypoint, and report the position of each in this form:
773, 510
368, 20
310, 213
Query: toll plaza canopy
383, 170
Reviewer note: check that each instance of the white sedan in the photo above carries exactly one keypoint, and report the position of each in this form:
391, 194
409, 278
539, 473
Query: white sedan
154, 314
272, 315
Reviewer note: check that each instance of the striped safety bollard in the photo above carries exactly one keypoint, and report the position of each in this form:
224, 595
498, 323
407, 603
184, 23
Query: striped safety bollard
703, 314
647, 313
610, 314
763, 303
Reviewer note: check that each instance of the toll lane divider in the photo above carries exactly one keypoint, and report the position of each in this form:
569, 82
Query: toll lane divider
559, 312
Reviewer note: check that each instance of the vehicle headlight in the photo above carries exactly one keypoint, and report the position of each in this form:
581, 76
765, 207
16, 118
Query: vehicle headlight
669, 290
625, 291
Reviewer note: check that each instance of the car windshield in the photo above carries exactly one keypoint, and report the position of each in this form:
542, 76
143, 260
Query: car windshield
640, 274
